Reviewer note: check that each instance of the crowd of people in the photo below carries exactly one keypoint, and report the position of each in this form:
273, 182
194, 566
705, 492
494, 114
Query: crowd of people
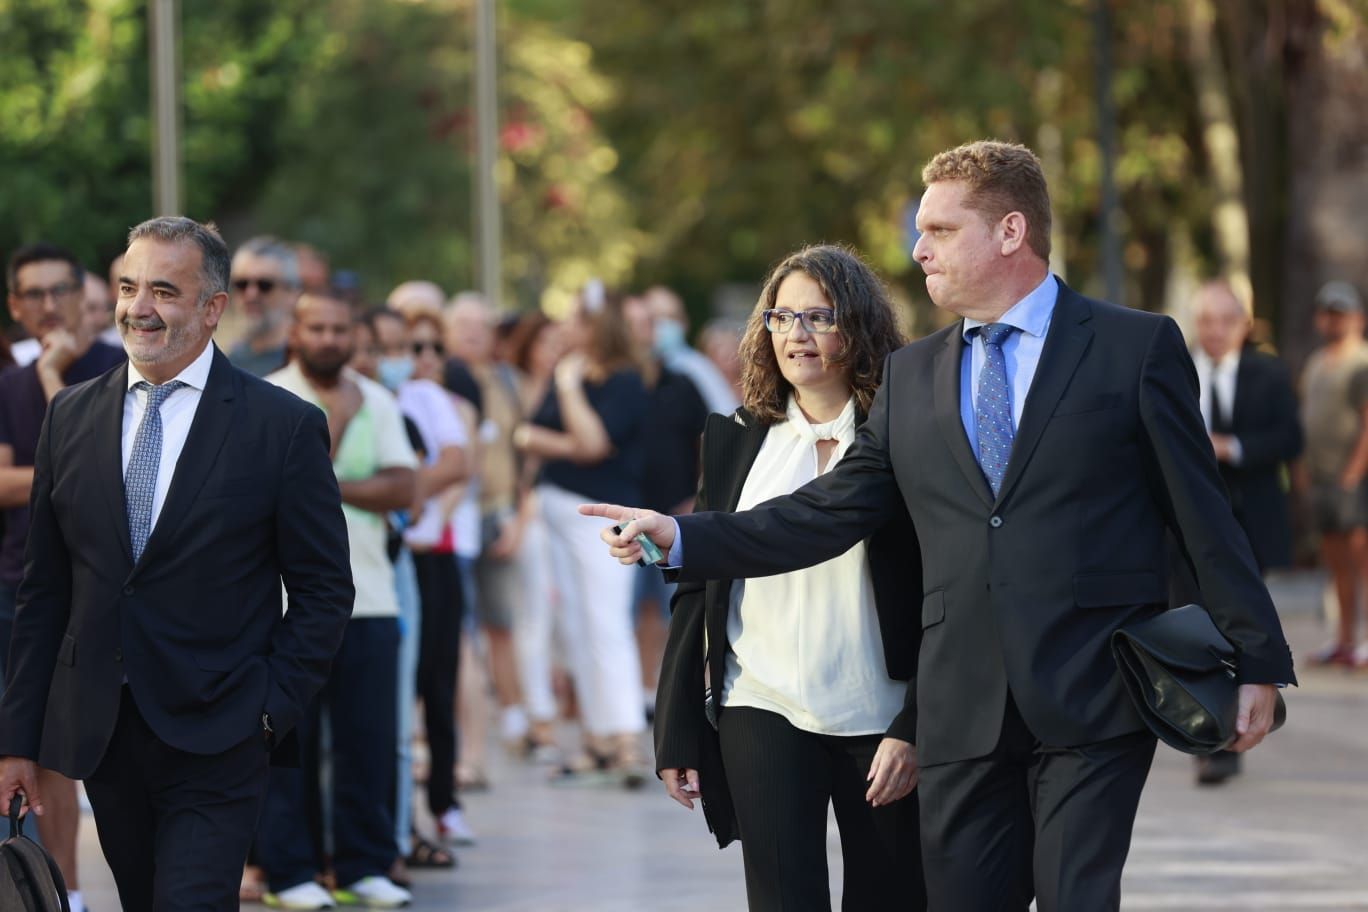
463, 441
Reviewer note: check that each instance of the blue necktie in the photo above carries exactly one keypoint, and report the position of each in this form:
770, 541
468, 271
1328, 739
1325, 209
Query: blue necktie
993, 406
140, 481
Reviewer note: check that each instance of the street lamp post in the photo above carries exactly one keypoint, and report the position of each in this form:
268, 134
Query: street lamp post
486, 152
163, 30
1106, 140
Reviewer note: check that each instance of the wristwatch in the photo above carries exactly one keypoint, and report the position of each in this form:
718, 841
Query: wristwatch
267, 729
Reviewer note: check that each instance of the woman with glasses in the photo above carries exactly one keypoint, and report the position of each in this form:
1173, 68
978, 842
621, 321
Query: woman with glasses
812, 700
586, 434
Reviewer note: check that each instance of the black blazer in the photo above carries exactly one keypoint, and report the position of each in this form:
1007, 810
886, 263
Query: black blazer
684, 738
1264, 418
1021, 593
195, 626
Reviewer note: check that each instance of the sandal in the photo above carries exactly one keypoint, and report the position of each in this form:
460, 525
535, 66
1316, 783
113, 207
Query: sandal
427, 854
251, 890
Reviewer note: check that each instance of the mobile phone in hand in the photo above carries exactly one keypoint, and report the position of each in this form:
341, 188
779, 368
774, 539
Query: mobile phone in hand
650, 554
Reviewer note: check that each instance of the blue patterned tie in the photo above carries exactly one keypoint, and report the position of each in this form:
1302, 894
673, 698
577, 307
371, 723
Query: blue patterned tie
140, 482
993, 406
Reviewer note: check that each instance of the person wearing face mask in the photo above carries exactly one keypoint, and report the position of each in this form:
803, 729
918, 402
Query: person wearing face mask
381, 338
671, 343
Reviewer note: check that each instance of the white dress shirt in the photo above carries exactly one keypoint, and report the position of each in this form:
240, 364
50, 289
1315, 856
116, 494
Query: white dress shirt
1219, 376
806, 644
177, 412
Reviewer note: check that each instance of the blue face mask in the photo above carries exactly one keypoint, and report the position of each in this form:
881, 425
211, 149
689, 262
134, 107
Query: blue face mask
394, 372
669, 337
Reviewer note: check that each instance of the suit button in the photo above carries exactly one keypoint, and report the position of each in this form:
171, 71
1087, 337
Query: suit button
995, 522
129, 590
118, 655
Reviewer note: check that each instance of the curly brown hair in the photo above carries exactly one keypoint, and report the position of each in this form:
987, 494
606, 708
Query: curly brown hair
864, 318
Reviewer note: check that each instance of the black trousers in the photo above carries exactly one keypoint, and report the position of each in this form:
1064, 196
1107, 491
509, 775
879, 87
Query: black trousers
1029, 820
439, 651
782, 780
359, 699
175, 827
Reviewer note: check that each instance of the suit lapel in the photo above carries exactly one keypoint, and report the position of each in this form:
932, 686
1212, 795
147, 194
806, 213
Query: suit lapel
1065, 344
108, 450
946, 396
213, 418
731, 452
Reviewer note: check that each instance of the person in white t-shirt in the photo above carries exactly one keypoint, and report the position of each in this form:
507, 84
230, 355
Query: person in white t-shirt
375, 469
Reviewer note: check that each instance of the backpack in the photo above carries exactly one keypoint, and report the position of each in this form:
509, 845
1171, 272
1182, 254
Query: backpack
29, 878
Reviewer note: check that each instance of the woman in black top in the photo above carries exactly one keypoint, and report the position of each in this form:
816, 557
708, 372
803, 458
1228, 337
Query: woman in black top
587, 435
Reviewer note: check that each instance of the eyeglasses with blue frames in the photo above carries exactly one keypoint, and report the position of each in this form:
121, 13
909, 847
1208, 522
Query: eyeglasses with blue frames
818, 321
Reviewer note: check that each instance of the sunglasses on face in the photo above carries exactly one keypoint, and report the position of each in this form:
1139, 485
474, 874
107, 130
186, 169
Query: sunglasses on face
435, 347
265, 286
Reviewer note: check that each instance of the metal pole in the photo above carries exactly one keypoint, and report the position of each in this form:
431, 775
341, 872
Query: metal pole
486, 153
163, 30
1106, 138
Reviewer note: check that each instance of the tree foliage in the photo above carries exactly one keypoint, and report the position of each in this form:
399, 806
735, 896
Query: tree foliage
687, 141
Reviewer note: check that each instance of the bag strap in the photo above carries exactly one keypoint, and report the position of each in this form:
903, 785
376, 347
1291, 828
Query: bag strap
16, 805
58, 882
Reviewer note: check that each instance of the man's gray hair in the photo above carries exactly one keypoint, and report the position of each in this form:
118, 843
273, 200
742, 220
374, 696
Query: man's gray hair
215, 265
278, 250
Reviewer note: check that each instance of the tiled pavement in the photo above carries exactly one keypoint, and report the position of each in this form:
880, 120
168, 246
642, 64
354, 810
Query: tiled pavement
1291, 834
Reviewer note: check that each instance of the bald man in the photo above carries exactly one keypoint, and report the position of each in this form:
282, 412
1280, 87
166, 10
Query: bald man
416, 296
1250, 410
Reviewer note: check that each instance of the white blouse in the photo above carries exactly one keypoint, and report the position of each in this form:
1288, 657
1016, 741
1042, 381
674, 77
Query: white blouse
806, 644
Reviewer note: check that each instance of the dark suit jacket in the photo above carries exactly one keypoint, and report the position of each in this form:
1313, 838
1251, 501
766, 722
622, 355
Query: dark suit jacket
683, 736
196, 624
1264, 418
1021, 593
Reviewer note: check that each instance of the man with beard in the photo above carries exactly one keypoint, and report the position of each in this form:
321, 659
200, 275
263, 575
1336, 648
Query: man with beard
172, 497
265, 288
46, 298
375, 472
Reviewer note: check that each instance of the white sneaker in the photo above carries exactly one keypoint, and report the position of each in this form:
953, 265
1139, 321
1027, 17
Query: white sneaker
374, 892
452, 827
513, 724
307, 895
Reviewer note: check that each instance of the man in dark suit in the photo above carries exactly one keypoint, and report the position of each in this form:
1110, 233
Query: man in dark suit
1250, 410
1043, 446
149, 655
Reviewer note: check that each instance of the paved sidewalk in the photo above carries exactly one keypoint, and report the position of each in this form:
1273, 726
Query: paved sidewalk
1288, 835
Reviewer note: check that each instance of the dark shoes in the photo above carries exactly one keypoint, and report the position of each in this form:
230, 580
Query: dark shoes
1217, 768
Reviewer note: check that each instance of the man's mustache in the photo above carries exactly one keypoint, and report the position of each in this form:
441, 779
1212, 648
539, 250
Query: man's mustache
144, 325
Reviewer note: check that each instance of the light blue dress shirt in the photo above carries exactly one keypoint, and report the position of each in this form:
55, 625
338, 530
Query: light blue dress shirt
1031, 315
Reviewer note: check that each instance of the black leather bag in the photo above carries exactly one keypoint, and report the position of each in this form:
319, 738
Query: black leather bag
1182, 676
29, 879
